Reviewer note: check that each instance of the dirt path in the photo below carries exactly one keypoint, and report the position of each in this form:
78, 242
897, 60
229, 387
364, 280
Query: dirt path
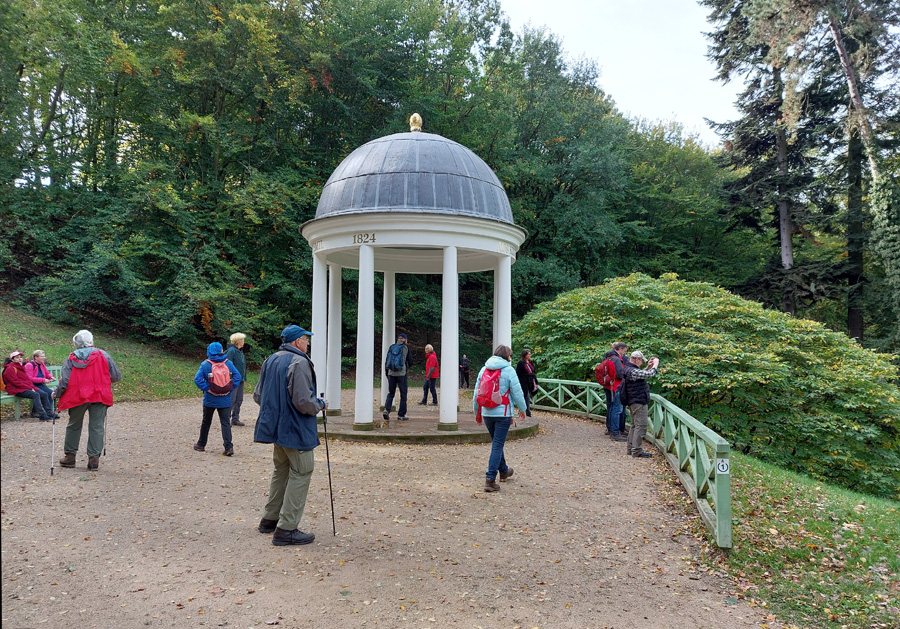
163, 536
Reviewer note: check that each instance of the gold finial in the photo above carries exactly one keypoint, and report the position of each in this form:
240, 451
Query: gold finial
415, 122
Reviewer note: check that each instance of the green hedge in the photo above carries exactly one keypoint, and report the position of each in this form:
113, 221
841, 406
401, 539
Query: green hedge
786, 390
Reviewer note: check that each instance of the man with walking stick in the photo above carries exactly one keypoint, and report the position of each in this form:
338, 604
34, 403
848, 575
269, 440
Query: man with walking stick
287, 418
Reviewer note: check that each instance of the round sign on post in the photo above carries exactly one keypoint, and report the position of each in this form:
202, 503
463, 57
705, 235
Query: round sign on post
722, 466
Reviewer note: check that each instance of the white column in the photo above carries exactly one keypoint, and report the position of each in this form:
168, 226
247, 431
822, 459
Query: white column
449, 402
503, 299
319, 323
494, 335
333, 359
365, 345
388, 329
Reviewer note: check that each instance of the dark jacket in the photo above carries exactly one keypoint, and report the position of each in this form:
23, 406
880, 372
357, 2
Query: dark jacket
407, 361
619, 365
286, 394
526, 379
637, 389
202, 380
237, 357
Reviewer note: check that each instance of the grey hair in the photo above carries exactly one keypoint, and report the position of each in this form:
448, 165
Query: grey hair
237, 336
83, 339
37, 352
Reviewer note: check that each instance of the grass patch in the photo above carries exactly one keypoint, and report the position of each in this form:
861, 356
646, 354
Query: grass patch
812, 553
149, 372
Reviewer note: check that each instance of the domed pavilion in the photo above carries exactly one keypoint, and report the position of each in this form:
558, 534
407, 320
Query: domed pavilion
406, 203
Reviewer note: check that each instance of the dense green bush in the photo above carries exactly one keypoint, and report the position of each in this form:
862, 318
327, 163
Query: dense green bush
788, 390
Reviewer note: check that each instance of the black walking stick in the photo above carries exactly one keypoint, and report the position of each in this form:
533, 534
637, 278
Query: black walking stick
328, 461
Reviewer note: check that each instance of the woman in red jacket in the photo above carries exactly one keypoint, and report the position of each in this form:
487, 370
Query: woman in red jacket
432, 373
40, 375
19, 384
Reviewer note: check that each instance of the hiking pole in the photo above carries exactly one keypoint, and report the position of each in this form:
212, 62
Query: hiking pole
53, 441
328, 461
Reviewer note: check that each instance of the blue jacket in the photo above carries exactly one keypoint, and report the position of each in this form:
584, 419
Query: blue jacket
202, 381
509, 381
286, 394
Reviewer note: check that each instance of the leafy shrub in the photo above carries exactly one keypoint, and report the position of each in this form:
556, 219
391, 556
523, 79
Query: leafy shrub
787, 390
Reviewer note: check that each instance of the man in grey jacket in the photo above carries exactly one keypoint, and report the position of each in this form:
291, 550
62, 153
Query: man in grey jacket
286, 394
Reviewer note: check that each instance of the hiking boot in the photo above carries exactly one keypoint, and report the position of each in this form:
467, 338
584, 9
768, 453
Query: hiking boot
403, 418
93, 463
618, 437
491, 485
291, 538
68, 460
267, 526
228, 452
238, 422
386, 415
640, 454
504, 475
199, 448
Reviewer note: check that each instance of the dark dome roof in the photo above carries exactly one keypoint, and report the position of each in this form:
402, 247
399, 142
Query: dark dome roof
414, 172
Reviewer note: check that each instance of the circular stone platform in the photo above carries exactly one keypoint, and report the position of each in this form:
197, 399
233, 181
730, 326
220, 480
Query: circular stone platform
421, 427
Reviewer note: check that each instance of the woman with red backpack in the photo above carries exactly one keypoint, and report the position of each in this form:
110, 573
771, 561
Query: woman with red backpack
217, 377
497, 390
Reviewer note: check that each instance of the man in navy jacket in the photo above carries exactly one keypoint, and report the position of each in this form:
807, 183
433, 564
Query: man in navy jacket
286, 394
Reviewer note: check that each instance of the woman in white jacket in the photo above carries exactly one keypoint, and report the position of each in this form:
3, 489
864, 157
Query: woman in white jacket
498, 419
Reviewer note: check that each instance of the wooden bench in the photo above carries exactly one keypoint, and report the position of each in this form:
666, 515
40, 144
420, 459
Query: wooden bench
55, 371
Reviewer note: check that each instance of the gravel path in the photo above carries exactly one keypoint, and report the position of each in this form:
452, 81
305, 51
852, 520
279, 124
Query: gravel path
163, 536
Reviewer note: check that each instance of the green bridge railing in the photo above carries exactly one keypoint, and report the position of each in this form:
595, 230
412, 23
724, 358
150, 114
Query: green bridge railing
699, 456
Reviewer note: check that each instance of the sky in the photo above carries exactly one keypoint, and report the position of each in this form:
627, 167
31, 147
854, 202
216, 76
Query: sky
651, 54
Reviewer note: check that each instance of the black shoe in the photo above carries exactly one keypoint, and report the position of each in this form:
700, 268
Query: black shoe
640, 454
528, 414
267, 526
56, 416
386, 414
46, 419
433, 404
423, 403
228, 452
291, 538
403, 418
618, 437
238, 422
199, 448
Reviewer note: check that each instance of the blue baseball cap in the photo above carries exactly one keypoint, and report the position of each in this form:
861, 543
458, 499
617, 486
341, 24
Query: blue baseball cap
292, 333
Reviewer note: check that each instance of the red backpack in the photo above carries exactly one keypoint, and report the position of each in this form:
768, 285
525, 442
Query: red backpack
489, 390
605, 373
220, 382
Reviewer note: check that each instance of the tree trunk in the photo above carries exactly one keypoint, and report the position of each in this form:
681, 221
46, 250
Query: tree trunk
785, 227
856, 237
855, 96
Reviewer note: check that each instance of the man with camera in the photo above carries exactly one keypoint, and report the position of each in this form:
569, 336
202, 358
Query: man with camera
637, 397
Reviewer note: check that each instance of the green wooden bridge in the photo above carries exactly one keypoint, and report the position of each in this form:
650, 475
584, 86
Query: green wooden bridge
699, 456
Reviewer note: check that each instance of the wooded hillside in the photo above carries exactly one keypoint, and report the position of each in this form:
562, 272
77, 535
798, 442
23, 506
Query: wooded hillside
157, 160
